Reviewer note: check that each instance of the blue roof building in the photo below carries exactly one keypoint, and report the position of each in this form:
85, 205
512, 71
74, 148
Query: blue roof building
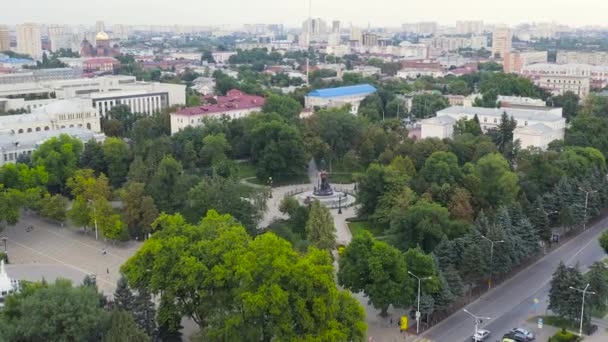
339, 97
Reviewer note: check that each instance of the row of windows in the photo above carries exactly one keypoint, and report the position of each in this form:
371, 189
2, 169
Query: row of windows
76, 116
12, 156
560, 81
46, 128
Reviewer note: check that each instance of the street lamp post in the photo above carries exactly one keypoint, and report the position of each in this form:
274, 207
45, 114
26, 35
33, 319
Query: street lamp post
491, 258
339, 204
477, 321
584, 292
270, 185
587, 192
418, 309
4, 238
95, 219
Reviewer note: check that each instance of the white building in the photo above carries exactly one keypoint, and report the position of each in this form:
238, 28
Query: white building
535, 127
469, 27
28, 40
204, 85
578, 57
502, 41
412, 73
15, 146
558, 85
597, 74
57, 115
365, 70
222, 57
59, 37
7, 285
508, 101
339, 97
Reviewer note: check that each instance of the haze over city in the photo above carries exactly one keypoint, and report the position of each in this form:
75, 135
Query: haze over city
380, 13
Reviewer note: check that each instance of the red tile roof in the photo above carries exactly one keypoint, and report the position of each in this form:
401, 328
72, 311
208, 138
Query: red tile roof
234, 100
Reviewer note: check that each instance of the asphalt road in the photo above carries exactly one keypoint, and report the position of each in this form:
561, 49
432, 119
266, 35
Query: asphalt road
511, 304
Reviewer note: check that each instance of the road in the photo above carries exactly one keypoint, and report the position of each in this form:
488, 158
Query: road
512, 303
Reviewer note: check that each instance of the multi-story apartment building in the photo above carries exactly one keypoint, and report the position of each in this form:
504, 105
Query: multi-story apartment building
445, 44
577, 57
558, 85
597, 74
514, 62
59, 37
5, 40
28, 40
469, 27
502, 40
41, 75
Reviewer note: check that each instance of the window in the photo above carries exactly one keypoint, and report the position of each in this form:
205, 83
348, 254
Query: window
20, 131
37, 129
495, 120
88, 126
526, 123
46, 128
29, 130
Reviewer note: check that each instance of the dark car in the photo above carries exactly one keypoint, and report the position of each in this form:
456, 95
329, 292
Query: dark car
515, 336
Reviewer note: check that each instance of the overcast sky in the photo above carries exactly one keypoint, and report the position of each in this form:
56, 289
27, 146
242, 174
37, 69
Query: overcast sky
292, 13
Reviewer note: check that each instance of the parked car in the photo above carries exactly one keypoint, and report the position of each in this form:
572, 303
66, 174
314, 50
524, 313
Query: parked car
524, 332
481, 335
517, 337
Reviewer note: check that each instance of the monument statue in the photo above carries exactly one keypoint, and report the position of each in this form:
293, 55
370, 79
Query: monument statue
324, 188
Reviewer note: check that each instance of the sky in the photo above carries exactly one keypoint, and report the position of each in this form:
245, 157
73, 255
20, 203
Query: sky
377, 13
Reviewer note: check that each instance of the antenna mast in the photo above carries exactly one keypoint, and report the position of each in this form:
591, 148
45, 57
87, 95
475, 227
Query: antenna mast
308, 42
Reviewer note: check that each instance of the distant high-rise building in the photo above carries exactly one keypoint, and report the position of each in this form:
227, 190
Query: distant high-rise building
369, 39
100, 26
335, 26
502, 38
28, 40
469, 27
318, 26
355, 34
59, 38
424, 28
120, 32
5, 41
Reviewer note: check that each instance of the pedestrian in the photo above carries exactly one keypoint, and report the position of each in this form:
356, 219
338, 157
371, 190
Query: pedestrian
107, 270
103, 251
391, 321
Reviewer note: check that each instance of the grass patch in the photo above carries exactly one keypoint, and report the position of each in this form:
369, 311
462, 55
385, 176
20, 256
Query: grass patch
557, 322
246, 170
246, 190
359, 227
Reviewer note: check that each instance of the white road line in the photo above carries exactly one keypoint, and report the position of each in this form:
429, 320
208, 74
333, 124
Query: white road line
86, 272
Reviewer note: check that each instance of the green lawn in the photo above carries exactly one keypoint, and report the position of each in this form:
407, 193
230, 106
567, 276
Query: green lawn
361, 226
246, 190
556, 321
246, 170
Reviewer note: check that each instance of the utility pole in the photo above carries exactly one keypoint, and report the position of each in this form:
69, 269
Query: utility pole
587, 192
95, 218
308, 43
491, 258
584, 291
418, 309
478, 320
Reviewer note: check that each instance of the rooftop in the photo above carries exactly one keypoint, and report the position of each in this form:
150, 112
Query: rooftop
526, 114
361, 89
234, 100
33, 139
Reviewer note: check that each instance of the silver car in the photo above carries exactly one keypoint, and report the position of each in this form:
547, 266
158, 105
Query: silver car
529, 335
481, 335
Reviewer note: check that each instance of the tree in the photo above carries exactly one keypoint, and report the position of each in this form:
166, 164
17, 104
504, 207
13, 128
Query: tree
54, 207
569, 102
53, 312
93, 157
123, 297
117, 157
163, 185
285, 106
139, 210
540, 220
123, 328
459, 87
226, 278
597, 278
376, 269
604, 241
497, 183
337, 128
144, 312
320, 229
11, 201
214, 150
441, 167
426, 105
460, 205
564, 301
59, 156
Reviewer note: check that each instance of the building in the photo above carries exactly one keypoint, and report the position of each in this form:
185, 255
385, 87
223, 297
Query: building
234, 105
103, 47
514, 62
502, 40
469, 27
14, 147
5, 39
59, 38
446, 44
204, 85
535, 127
53, 116
100, 26
339, 97
356, 36
425, 28
597, 74
100, 65
41, 75
120, 32
413, 73
7, 285
558, 85
365, 70
369, 39
577, 57
222, 57
29, 41
518, 101
16, 63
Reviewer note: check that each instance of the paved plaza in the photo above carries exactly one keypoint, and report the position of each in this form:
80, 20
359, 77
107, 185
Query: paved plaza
50, 251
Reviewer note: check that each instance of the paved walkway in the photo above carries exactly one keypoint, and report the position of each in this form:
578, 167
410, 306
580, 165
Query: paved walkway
50, 251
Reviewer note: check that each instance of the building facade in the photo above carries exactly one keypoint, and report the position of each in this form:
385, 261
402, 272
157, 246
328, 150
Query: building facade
558, 85
502, 40
59, 38
597, 74
578, 57
29, 41
234, 105
5, 39
535, 127
514, 62
339, 97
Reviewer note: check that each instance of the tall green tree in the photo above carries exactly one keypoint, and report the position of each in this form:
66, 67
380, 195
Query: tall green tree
59, 156
564, 301
320, 229
597, 278
139, 210
117, 157
123, 328
285, 106
378, 270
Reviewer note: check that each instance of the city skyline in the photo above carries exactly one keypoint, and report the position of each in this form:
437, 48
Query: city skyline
386, 13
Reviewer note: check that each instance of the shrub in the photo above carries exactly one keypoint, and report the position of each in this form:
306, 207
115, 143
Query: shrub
4, 256
564, 336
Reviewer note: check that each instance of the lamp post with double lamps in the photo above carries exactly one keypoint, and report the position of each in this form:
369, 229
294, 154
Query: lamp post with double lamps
584, 292
95, 218
478, 320
418, 309
492, 258
587, 192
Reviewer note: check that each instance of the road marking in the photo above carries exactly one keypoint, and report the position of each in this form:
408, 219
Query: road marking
86, 272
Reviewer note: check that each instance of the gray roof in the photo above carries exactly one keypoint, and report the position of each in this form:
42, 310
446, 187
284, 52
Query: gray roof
440, 120
524, 114
538, 128
8, 140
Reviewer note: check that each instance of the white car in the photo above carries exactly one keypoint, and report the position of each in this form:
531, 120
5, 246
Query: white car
529, 335
481, 335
